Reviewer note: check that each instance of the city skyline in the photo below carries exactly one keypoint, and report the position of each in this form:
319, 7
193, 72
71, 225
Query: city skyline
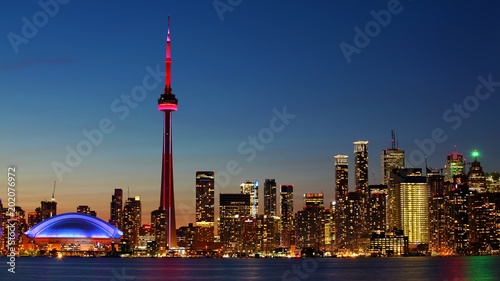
216, 103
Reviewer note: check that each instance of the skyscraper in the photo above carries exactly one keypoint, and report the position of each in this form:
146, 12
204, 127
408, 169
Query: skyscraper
457, 209
310, 226
116, 209
252, 188
168, 103
477, 179
132, 220
234, 208
484, 229
351, 230
361, 179
411, 209
391, 158
286, 215
361, 166
437, 214
376, 208
455, 166
205, 203
341, 190
270, 197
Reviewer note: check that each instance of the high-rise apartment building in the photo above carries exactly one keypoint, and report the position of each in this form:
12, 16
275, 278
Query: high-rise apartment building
116, 209
455, 166
270, 197
286, 214
205, 204
234, 208
252, 188
132, 220
341, 191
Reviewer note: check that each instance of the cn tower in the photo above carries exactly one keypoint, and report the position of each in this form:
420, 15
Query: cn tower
168, 103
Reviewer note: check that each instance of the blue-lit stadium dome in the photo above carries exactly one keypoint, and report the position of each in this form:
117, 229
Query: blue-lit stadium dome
74, 225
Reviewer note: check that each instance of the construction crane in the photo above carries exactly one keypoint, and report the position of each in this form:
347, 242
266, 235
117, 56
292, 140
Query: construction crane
54, 191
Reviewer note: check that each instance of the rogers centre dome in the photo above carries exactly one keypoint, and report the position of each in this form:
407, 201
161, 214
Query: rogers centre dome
72, 232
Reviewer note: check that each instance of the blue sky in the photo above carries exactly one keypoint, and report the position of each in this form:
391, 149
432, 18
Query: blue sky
230, 69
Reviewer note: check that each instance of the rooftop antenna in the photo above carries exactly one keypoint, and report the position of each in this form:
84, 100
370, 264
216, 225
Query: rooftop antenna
128, 192
393, 138
54, 191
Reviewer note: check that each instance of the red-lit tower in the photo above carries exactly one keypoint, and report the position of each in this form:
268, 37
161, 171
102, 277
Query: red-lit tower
168, 103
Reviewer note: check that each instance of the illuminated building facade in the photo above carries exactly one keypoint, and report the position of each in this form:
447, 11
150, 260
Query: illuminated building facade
248, 236
167, 103
457, 225
477, 178
159, 225
34, 218
353, 221
316, 199
484, 222
455, 166
252, 188
116, 209
388, 243
270, 197
391, 158
376, 208
146, 238
410, 210
286, 214
132, 220
310, 224
361, 166
187, 236
205, 204
438, 243
341, 190
233, 208
267, 233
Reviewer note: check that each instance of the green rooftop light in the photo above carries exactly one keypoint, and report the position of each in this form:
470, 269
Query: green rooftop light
475, 153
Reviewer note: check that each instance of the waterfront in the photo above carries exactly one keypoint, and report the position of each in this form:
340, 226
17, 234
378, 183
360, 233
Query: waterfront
410, 268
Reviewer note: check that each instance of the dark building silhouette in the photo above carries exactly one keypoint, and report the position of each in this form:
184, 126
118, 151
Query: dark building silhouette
270, 197
286, 214
116, 209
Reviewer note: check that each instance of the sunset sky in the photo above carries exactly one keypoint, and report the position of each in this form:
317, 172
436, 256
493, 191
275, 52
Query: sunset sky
66, 69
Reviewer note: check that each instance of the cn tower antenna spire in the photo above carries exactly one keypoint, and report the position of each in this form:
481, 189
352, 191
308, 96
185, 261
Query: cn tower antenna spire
168, 62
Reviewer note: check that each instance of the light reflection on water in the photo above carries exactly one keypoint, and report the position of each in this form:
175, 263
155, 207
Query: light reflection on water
415, 268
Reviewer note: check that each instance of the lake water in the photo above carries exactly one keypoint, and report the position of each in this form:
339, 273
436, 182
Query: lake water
409, 268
